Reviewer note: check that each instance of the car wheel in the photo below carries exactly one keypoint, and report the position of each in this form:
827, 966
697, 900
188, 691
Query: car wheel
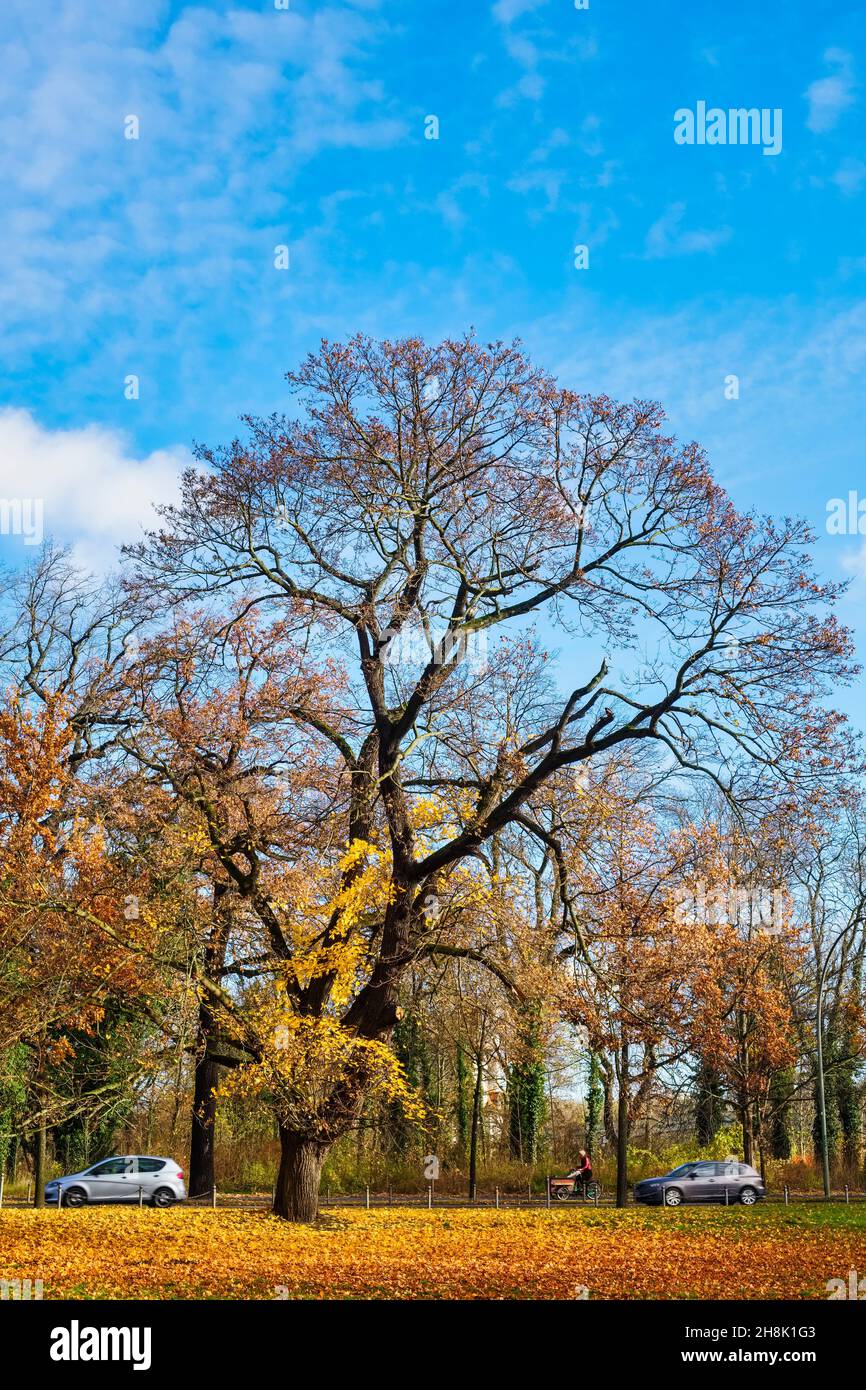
673, 1197
162, 1197
748, 1196
73, 1197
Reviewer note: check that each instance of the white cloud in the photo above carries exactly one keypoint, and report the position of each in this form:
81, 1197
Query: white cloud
850, 175
533, 47
667, 238
853, 563
93, 493
546, 181
506, 11
829, 97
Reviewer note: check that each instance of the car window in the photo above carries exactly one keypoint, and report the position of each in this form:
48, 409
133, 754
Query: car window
727, 1170
111, 1165
745, 1170
150, 1165
683, 1170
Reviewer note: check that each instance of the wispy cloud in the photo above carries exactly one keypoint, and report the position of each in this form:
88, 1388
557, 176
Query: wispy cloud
853, 563
830, 97
232, 106
534, 46
850, 176
506, 11
667, 237
450, 201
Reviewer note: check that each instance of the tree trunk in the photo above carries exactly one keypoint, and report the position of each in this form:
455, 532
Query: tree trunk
296, 1197
746, 1115
201, 1150
476, 1118
746, 1118
462, 1107
594, 1102
39, 1174
622, 1129
709, 1105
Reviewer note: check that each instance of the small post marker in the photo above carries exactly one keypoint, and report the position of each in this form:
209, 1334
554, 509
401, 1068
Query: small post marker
140, 1195
367, 1201
431, 1173
213, 1197
497, 1199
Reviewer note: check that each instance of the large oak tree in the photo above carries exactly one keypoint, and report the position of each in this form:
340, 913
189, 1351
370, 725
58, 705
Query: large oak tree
419, 509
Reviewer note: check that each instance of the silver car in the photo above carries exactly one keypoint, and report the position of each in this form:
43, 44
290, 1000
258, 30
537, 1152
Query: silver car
158, 1181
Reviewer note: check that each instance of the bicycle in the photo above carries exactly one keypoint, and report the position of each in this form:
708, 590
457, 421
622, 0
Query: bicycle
565, 1191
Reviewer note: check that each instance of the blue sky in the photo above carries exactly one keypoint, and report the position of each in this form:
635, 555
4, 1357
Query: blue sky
305, 127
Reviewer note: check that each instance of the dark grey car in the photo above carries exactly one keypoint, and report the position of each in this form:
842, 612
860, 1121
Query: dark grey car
703, 1181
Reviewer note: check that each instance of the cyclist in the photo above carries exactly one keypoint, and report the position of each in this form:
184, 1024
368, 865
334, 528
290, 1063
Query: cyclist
582, 1174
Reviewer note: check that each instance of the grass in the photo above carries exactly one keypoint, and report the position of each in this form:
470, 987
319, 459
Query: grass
401, 1253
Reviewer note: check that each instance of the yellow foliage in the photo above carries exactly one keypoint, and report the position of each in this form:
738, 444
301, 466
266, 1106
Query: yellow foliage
313, 1070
